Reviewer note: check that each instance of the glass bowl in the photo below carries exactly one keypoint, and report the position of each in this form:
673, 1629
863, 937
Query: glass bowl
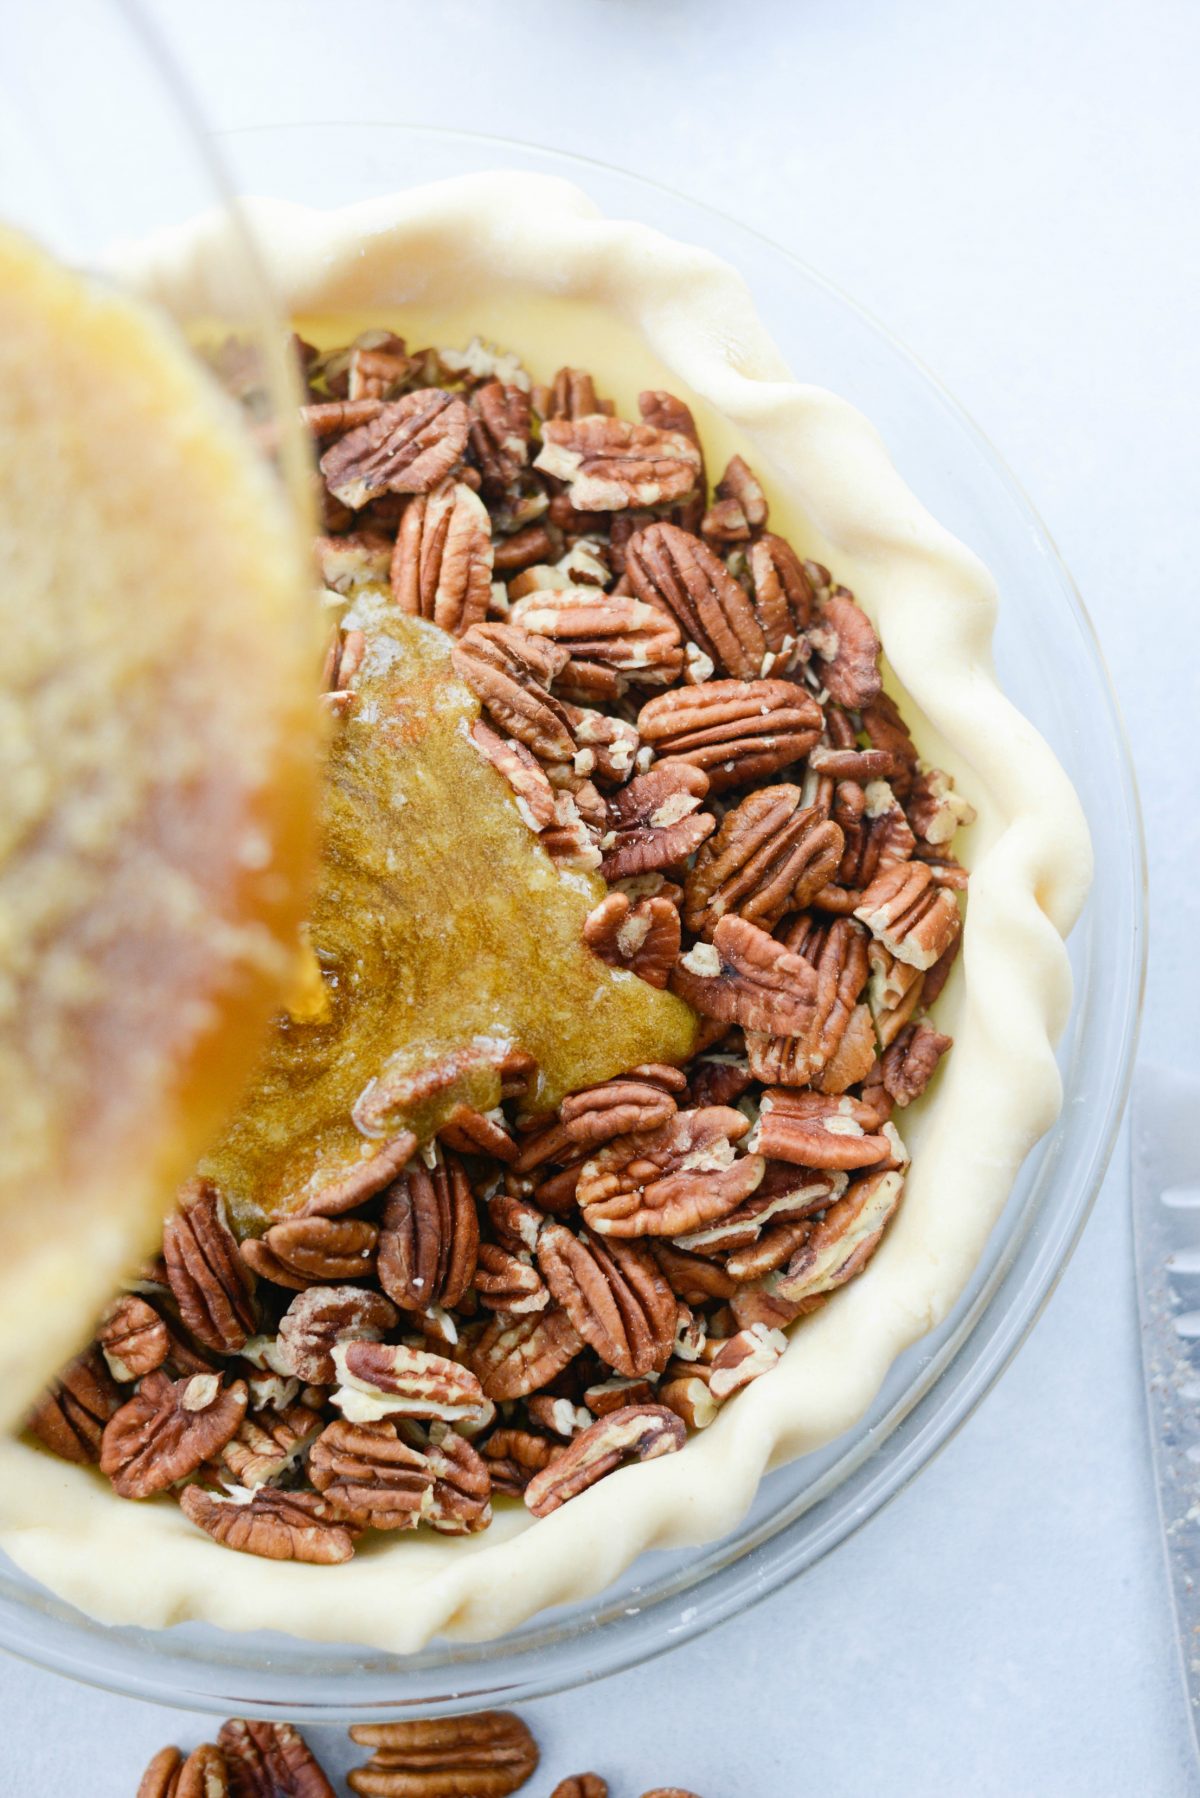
802, 1511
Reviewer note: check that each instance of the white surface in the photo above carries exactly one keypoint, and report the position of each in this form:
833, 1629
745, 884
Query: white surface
1012, 189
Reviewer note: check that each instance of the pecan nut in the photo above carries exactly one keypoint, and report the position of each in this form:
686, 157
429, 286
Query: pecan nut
656, 821
935, 810
514, 1456
770, 855
275, 1525
132, 1338
675, 571
441, 568
910, 914
845, 1239
70, 1418
617, 631
487, 1755
643, 937
509, 1282
838, 956
519, 1355
610, 464
783, 595
736, 731
204, 1774
667, 1181
911, 1061
429, 1239
581, 1785
744, 1357
531, 790
854, 1057
572, 394
814, 1130
270, 1443
510, 671
370, 1477
270, 1760
499, 439
641, 1432
168, 1429
462, 1484
377, 1380
409, 446
846, 651
745, 977
212, 1285
313, 1251
614, 1295
894, 990
320, 1318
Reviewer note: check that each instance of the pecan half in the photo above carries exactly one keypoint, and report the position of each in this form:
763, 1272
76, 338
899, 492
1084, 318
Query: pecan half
270, 1760
514, 1456
742, 1358
70, 1418
854, 1057
462, 1484
499, 439
616, 630
785, 1194
910, 914
313, 1251
441, 566
519, 1355
885, 729
487, 1755
509, 1282
783, 595
846, 651
581, 1785
320, 1318
935, 810
845, 1239
736, 731
656, 821
408, 447
212, 1285
370, 1477
369, 1175
572, 394
691, 1277
677, 572
168, 1429
276, 1526
894, 990
614, 1295
329, 418
429, 1237
911, 1062
378, 1380
204, 1774
510, 671
610, 464
642, 937
133, 1338
770, 855
838, 956
269, 1444
523, 549
745, 977
532, 792
359, 559
668, 1181
643, 1432
739, 510
816, 1131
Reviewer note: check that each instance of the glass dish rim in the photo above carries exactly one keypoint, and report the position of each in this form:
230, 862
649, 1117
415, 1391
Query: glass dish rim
705, 1578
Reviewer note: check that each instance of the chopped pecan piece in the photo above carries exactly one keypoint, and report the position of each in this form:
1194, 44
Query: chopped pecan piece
378, 1380
745, 977
275, 1525
472, 1132
910, 914
510, 671
656, 821
743, 1358
718, 1080
607, 746
845, 1239
667, 1181
407, 447
320, 1318
269, 1444
313, 1251
509, 1282
783, 595
441, 567
69, 1419
684, 1390
846, 651
499, 439
429, 1237
640, 1431
736, 731
370, 1477
937, 976
462, 1484
614, 1295
133, 1338
770, 855
643, 937
911, 1062
359, 559
816, 1131
935, 810
637, 640
168, 1429
212, 1285
376, 370
519, 1355
894, 990
677, 572
739, 488
610, 464
521, 769
487, 1755
271, 1760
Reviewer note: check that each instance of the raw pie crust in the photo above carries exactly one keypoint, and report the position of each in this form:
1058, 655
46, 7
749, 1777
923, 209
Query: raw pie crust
529, 262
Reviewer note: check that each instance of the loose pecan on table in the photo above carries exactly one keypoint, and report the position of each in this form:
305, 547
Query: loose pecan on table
270, 1760
487, 1755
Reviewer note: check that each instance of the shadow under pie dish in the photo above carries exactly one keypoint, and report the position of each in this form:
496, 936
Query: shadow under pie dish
643, 314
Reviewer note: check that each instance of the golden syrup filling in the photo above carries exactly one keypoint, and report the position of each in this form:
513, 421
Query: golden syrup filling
440, 925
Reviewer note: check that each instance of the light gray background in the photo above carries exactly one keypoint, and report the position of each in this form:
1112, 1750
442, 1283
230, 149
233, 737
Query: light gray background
1011, 185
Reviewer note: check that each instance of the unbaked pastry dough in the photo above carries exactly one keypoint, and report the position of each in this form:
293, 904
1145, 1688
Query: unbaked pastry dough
530, 263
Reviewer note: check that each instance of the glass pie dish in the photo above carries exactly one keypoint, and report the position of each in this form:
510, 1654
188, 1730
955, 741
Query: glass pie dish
804, 1509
